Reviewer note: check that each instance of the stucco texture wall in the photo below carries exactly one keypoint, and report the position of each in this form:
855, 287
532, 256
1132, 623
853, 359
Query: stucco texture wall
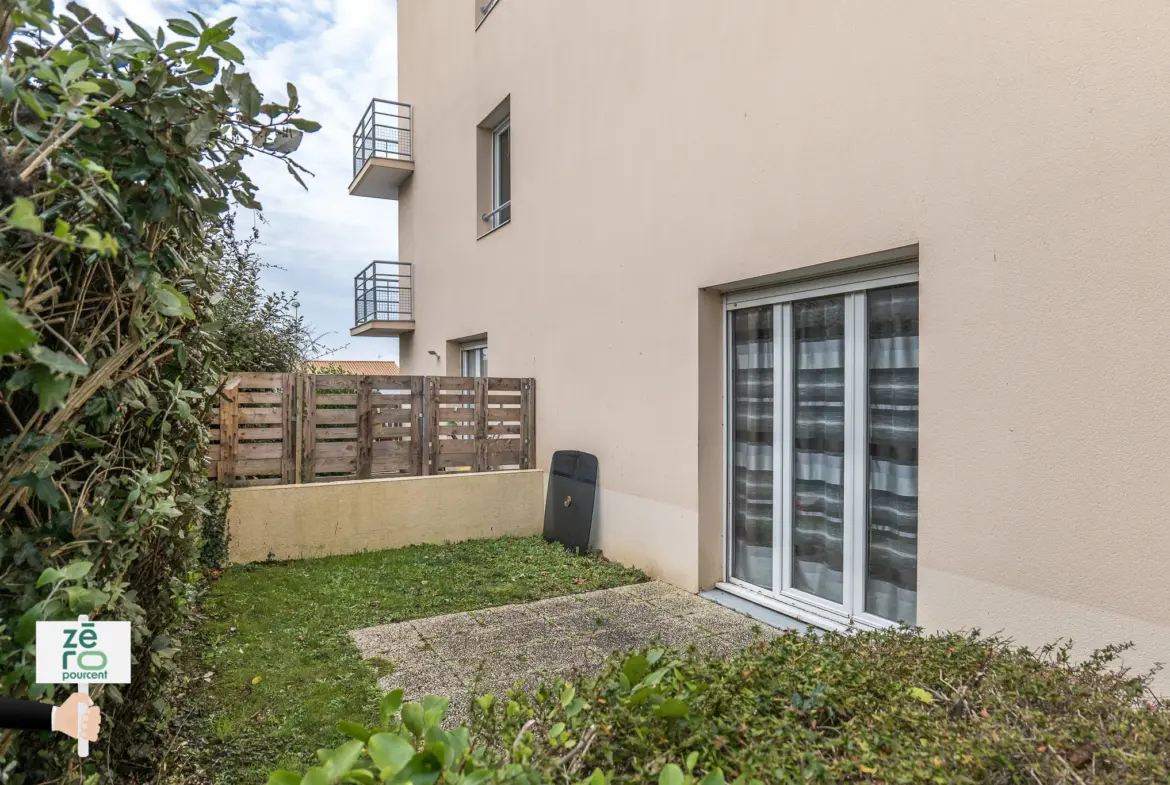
661, 148
322, 519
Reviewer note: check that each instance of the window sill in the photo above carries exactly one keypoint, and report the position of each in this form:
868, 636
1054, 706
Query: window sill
491, 4
495, 229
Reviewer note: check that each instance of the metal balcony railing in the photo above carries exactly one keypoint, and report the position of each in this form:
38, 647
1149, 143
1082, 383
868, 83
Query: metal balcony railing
383, 292
384, 132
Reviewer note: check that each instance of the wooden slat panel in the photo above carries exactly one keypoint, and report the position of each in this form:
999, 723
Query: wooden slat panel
392, 450
501, 415
213, 470
462, 447
466, 398
336, 433
505, 430
335, 382
228, 418
453, 382
365, 440
288, 455
259, 450
392, 466
384, 399
336, 450
261, 397
450, 461
334, 465
261, 466
264, 433
418, 459
497, 446
389, 382
258, 381
431, 459
504, 459
261, 416
308, 462
391, 431
481, 452
456, 430
505, 385
499, 400
403, 416
528, 424
336, 416
337, 399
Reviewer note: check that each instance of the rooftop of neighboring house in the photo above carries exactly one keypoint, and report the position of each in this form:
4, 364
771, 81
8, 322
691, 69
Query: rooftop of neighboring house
358, 367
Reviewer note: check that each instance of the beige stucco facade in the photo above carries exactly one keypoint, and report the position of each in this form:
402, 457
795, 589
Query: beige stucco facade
667, 151
329, 518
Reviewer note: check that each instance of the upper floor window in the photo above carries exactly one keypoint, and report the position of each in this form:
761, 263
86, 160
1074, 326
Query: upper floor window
502, 173
473, 359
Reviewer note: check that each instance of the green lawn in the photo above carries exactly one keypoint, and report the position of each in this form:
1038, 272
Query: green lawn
283, 670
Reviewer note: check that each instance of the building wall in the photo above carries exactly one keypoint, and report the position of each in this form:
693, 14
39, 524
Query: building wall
666, 150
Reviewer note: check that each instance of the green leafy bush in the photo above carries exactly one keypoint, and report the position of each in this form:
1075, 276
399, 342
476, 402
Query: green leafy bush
121, 152
891, 706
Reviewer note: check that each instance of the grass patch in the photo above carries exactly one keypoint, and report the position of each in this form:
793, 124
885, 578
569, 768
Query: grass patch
284, 672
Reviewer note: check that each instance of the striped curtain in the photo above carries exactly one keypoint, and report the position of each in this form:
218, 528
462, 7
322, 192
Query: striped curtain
892, 548
753, 384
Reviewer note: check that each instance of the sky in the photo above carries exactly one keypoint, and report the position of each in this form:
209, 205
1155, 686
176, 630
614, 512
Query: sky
339, 54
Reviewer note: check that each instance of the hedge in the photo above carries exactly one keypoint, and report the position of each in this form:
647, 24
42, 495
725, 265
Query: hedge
891, 706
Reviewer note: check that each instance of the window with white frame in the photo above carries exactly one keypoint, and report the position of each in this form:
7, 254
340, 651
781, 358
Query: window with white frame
823, 447
501, 173
473, 359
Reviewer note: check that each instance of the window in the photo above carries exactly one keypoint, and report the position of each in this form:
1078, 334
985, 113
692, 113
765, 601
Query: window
473, 359
823, 447
501, 173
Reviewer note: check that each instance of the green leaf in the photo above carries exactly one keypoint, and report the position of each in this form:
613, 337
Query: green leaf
672, 708
423, 769
671, 775
82, 600
308, 126
26, 627
75, 71
229, 51
692, 759
24, 215
250, 100
635, 668
567, 695
654, 655
208, 65
292, 95
58, 362
49, 575
414, 718
360, 776
77, 570
286, 140
315, 776
435, 709
7, 86
919, 694
597, 778
343, 758
170, 302
51, 389
284, 778
555, 731
141, 33
183, 27
391, 703
355, 730
714, 777
128, 87
389, 751
199, 131
15, 334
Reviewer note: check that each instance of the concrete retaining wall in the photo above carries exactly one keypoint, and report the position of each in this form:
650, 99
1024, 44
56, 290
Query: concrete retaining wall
303, 521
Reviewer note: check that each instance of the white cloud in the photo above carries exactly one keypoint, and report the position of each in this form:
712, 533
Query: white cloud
339, 54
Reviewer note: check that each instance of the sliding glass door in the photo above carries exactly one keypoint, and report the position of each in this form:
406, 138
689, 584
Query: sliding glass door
823, 448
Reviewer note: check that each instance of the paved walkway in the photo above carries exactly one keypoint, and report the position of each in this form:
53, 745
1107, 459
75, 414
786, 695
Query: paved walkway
490, 650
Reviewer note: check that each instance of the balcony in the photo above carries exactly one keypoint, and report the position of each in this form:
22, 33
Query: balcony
382, 154
383, 300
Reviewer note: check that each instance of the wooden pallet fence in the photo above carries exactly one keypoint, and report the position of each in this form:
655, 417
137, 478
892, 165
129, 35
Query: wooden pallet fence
321, 428
253, 434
